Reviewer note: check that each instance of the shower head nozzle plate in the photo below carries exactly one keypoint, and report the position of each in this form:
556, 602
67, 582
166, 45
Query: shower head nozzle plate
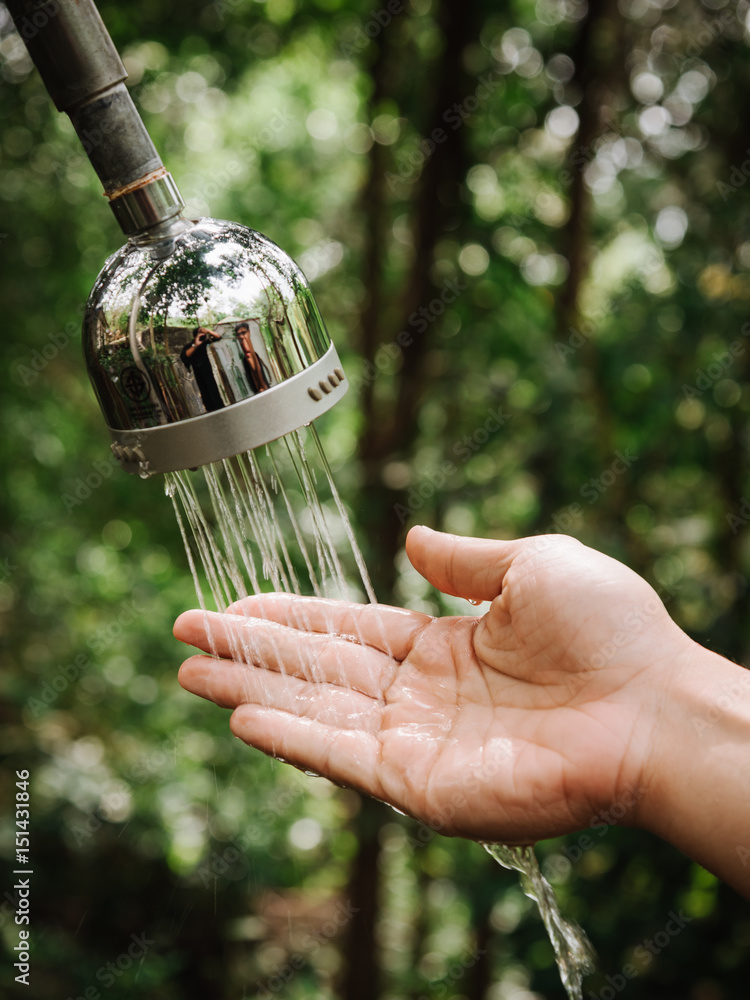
232, 430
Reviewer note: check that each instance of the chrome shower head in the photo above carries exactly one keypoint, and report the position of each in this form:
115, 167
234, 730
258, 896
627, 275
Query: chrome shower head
202, 338
205, 343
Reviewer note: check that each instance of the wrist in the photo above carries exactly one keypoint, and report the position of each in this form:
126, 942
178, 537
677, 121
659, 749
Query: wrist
698, 779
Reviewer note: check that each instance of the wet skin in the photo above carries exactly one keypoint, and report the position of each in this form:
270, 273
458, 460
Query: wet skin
572, 695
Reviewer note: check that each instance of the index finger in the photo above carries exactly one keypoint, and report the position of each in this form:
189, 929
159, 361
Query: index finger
391, 630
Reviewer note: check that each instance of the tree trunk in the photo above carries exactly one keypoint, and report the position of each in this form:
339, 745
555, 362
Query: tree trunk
389, 430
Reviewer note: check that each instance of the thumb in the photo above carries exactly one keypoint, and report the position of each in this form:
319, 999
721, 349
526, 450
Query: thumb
473, 568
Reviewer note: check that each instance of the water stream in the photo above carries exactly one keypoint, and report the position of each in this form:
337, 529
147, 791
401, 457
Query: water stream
267, 521
574, 953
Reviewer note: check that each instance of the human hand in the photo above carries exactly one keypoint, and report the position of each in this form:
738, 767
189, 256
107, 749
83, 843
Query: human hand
522, 724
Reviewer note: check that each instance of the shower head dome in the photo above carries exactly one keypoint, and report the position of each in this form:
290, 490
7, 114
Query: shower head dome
205, 344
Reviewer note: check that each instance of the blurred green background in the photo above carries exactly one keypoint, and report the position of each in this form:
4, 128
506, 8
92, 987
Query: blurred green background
526, 226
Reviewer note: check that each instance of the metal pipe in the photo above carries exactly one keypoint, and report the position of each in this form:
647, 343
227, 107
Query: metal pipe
82, 71
202, 338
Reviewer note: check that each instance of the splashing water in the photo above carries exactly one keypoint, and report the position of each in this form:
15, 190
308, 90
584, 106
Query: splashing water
265, 521
574, 953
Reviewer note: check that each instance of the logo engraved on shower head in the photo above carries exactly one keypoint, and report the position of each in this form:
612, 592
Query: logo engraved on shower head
135, 384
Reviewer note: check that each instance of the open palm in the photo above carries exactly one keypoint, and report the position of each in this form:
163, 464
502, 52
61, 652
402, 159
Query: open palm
519, 725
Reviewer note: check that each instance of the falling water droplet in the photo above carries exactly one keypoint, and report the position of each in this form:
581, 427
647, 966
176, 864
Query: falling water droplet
472, 601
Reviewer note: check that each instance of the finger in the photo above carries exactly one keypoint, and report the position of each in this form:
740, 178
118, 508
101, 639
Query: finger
229, 684
347, 756
473, 568
317, 657
389, 629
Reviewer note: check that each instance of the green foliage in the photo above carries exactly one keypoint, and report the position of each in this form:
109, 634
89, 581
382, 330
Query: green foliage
602, 282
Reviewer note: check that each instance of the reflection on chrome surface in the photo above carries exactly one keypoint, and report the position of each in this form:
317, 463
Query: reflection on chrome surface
191, 324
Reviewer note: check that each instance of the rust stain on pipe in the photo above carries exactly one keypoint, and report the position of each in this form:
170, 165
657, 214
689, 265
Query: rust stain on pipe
149, 178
